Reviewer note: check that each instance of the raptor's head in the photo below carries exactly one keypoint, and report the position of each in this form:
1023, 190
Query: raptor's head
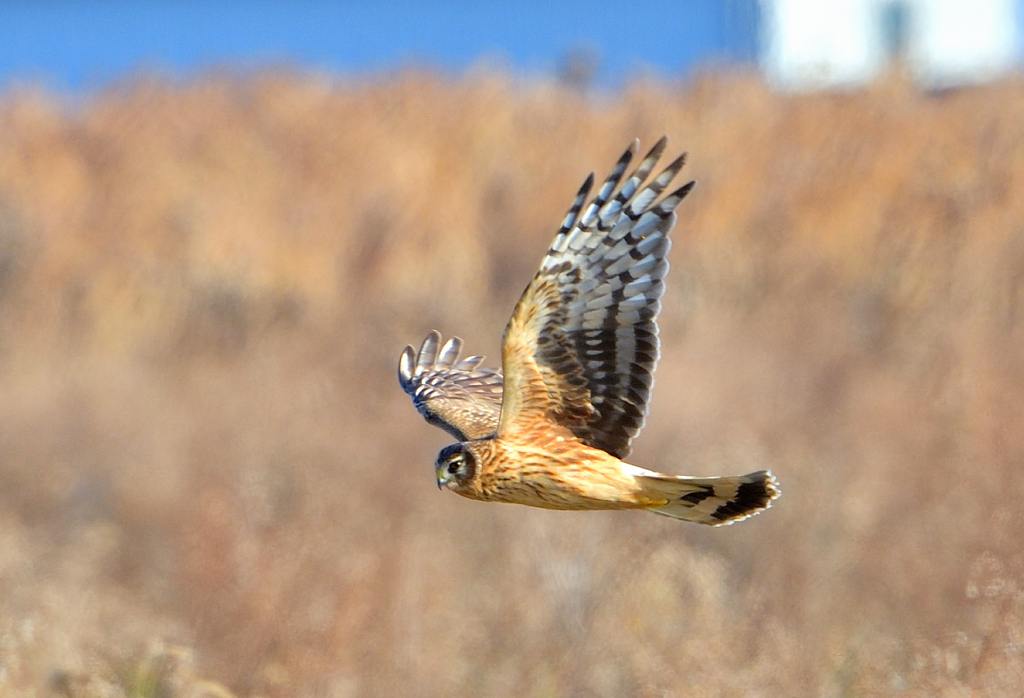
455, 466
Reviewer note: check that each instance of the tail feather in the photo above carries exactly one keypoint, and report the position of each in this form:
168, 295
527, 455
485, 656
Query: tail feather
711, 500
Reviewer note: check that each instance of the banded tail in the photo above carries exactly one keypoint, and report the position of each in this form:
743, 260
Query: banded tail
711, 500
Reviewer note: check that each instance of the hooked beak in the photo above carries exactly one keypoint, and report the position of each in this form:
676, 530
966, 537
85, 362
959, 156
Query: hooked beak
442, 476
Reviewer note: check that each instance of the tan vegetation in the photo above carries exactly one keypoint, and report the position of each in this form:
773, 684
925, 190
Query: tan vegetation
211, 482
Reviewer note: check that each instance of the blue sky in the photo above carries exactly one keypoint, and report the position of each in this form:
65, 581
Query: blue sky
78, 45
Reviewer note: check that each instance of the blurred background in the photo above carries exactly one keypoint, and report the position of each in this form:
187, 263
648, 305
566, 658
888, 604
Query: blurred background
221, 222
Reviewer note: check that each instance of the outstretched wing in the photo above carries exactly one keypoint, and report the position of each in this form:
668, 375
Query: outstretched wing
456, 395
582, 344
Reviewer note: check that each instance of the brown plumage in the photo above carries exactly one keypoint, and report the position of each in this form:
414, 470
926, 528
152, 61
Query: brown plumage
456, 395
578, 359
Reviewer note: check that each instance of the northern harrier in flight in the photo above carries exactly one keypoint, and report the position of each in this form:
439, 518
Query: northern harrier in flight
552, 427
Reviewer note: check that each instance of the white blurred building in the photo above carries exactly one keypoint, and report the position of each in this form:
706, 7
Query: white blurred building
808, 44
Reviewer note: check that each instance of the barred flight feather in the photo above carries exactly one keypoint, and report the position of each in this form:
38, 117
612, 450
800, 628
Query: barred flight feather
456, 395
602, 282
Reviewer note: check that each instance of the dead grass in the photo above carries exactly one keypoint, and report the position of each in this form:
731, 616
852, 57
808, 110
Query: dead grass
203, 292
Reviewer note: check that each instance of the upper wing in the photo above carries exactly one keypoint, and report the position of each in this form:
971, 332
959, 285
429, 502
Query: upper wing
455, 395
582, 344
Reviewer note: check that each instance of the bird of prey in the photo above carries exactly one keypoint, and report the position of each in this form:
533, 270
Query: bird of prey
552, 427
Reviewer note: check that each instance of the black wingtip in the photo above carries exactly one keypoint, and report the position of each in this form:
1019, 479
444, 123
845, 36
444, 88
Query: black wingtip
684, 190
676, 164
627, 155
658, 149
588, 184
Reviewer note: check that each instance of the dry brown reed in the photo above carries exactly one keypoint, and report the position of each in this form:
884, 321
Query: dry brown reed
204, 289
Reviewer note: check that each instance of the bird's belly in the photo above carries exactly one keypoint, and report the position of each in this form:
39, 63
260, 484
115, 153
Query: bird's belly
553, 484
